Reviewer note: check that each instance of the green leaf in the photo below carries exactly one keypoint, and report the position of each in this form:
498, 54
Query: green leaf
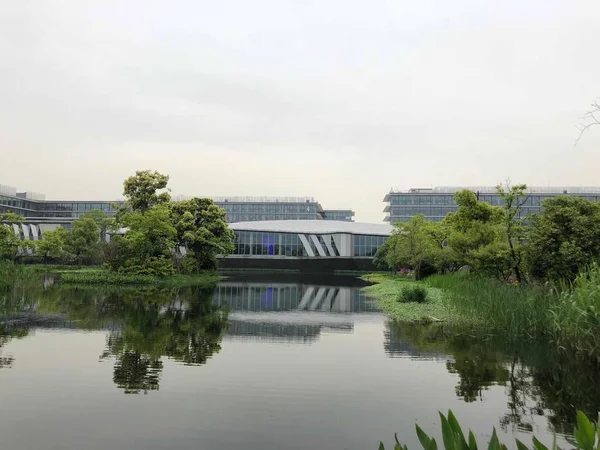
423, 438
432, 445
538, 445
472, 441
521, 446
447, 434
494, 443
585, 432
381, 446
457, 429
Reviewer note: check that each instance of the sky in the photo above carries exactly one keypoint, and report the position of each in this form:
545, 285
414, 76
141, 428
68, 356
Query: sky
341, 100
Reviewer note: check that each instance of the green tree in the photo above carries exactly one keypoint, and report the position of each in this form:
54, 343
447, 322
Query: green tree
475, 236
149, 241
412, 245
53, 244
105, 223
84, 238
564, 237
141, 190
9, 217
11, 245
514, 197
203, 231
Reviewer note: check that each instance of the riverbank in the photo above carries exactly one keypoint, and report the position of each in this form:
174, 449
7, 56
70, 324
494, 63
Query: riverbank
73, 275
387, 291
567, 315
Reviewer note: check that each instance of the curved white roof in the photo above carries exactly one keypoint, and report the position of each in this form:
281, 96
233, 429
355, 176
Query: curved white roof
314, 227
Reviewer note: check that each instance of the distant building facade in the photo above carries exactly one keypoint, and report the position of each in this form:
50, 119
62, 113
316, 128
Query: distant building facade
344, 215
435, 203
37, 210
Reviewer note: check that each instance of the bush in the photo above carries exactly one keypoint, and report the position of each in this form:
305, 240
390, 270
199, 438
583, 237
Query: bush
413, 294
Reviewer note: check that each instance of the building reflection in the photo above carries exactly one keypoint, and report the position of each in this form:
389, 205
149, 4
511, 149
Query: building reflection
252, 296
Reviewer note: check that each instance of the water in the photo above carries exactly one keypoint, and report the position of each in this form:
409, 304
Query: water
261, 363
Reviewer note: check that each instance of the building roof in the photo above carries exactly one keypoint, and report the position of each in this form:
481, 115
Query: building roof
314, 227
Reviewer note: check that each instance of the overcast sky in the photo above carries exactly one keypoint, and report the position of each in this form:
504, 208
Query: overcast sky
336, 99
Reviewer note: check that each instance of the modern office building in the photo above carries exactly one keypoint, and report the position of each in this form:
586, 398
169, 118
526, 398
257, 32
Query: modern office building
36, 209
435, 203
318, 245
344, 215
249, 209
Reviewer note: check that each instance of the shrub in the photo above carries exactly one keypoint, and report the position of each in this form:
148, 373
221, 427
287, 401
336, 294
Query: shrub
413, 294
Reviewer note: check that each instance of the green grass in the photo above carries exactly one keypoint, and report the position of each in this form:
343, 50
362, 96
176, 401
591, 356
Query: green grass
388, 291
519, 311
103, 276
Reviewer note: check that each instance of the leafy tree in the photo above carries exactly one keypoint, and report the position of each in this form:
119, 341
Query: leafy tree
514, 198
381, 258
564, 237
412, 245
10, 217
141, 190
53, 244
83, 240
104, 222
475, 236
202, 229
9, 243
149, 241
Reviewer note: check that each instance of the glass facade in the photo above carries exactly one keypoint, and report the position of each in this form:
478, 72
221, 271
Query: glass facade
345, 215
42, 209
268, 210
268, 244
238, 209
367, 245
401, 206
290, 244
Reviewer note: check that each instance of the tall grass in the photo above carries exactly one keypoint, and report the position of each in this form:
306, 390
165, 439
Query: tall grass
519, 311
575, 316
568, 314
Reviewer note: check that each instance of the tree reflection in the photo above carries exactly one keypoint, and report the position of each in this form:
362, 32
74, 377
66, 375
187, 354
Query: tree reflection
6, 335
539, 378
147, 325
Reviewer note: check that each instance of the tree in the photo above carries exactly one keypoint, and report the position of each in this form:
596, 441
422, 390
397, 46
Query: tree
53, 244
11, 245
84, 238
104, 223
411, 245
202, 229
149, 241
10, 217
564, 238
590, 119
141, 190
514, 198
475, 236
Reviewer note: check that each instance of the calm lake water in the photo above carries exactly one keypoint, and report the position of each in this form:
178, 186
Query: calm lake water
261, 362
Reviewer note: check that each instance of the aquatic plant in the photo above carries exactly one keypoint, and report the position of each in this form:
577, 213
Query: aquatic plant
587, 437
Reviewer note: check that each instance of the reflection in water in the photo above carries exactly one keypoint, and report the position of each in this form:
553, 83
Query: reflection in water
145, 327
247, 296
539, 380
181, 324
292, 301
